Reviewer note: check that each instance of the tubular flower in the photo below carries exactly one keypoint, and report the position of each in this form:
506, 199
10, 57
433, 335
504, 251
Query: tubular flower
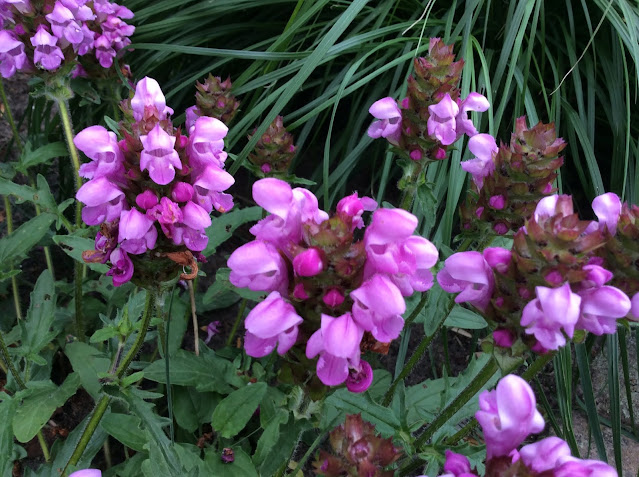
144, 192
315, 263
470, 274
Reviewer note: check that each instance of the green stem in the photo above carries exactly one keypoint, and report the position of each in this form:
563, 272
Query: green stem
240, 314
43, 446
14, 280
119, 373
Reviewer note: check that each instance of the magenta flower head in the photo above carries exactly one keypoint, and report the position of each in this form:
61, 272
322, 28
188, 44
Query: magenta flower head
159, 156
258, 266
308, 263
468, 274
63, 24
47, 54
359, 380
508, 415
353, 207
456, 464
337, 343
207, 142
442, 122
102, 147
12, 56
473, 102
87, 473
544, 454
553, 311
568, 466
121, 267
483, 147
148, 95
272, 321
136, 232
208, 188
378, 308
607, 207
601, 308
390, 120
104, 201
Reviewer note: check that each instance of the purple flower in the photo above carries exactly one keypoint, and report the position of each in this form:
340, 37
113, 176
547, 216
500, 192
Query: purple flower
87, 473
206, 143
483, 147
607, 207
102, 147
149, 95
104, 201
12, 56
634, 310
359, 380
23, 6
192, 114
258, 266
105, 53
554, 310
193, 239
195, 216
504, 338
508, 415
353, 207
457, 465
136, 234
121, 267
308, 263
272, 321
442, 121
182, 191
208, 189
337, 343
393, 250
159, 155
378, 307
390, 120
498, 258
46, 53
473, 102
569, 466
600, 309
63, 24
147, 200
166, 212
544, 454
470, 274
211, 331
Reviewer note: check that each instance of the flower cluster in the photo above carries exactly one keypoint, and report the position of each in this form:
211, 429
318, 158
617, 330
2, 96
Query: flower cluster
154, 189
509, 181
274, 150
551, 283
50, 34
358, 450
508, 415
339, 294
432, 116
213, 99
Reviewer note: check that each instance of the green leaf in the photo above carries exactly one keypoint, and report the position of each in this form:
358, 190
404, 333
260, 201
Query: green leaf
23, 193
36, 329
62, 449
267, 441
242, 466
38, 402
206, 372
461, 317
219, 291
234, 412
7, 410
74, 245
222, 227
385, 421
87, 362
41, 155
126, 429
24, 238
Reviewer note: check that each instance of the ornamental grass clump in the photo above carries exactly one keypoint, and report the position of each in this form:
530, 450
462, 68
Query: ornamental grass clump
328, 289
54, 36
152, 191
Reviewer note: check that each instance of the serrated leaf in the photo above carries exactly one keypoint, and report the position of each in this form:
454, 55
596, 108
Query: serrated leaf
23, 193
24, 238
222, 227
74, 245
39, 402
87, 362
461, 317
234, 412
126, 429
41, 155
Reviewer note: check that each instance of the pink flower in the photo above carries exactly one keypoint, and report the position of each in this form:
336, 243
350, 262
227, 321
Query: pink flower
63, 24
208, 189
359, 380
46, 54
554, 310
353, 207
102, 147
337, 343
483, 147
390, 120
508, 415
258, 266
272, 321
12, 56
87, 473
136, 234
211, 331
308, 263
378, 307
195, 216
497, 202
121, 267
442, 123
159, 155
192, 114
470, 274
544, 454
457, 465
104, 201
393, 250
206, 143
634, 310
105, 53
333, 298
149, 95
504, 338
166, 212
601, 307
569, 466
473, 102
498, 258
607, 207
182, 191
